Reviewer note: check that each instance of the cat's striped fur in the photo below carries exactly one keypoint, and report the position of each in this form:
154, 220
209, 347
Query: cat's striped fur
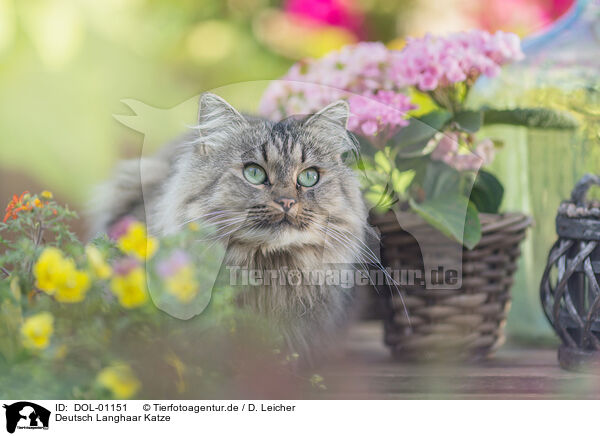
202, 177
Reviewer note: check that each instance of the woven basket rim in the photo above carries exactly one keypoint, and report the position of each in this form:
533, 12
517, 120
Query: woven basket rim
490, 222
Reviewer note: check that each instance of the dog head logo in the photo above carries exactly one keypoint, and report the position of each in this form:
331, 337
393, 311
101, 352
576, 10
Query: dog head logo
24, 414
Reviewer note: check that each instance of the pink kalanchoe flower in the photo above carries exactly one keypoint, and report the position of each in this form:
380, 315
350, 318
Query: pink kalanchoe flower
432, 61
446, 147
486, 150
369, 70
369, 127
447, 151
359, 73
378, 112
466, 162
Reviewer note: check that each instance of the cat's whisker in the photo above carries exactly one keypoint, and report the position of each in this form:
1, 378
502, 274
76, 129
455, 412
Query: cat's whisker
224, 221
364, 271
341, 242
218, 235
365, 249
330, 230
212, 215
373, 258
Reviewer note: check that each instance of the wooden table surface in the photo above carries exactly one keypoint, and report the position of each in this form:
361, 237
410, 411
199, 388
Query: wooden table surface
366, 371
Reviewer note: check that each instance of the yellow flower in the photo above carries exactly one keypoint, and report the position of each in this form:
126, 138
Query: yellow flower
137, 243
74, 289
49, 269
194, 226
47, 195
130, 288
37, 329
58, 276
120, 380
182, 284
98, 265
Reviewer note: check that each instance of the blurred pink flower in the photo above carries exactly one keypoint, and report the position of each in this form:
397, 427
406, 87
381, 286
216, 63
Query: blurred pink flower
173, 263
447, 151
125, 265
447, 146
120, 227
467, 162
340, 13
486, 150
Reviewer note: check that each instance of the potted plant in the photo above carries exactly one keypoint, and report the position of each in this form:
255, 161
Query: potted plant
424, 172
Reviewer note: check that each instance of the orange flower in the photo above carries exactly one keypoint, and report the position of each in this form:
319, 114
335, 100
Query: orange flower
17, 205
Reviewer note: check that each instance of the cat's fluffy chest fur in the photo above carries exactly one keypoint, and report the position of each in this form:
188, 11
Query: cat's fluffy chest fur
278, 225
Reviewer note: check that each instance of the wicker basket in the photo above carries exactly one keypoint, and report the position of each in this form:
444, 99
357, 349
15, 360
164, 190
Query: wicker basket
460, 323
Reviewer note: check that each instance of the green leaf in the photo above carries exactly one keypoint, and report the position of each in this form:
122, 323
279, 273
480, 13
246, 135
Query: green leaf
469, 121
543, 118
412, 139
440, 179
453, 215
487, 193
379, 197
423, 102
382, 162
402, 180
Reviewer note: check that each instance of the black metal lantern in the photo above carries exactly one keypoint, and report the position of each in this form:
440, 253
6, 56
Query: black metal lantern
570, 289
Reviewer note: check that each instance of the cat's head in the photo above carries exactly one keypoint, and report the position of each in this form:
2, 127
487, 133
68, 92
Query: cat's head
273, 184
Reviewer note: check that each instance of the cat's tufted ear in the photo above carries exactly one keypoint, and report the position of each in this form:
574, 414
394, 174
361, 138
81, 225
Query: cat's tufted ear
217, 122
329, 127
336, 113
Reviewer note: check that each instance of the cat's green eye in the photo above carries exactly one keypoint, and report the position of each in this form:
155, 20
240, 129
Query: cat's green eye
308, 177
255, 174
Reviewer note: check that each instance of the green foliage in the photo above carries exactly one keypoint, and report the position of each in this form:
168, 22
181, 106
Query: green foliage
454, 215
487, 193
469, 121
412, 140
441, 180
541, 118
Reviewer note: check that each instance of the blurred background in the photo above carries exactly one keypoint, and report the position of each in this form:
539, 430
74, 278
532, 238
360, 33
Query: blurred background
67, 65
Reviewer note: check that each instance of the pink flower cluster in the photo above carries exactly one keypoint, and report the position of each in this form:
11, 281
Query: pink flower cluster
431, 62
375, 79
447, 151
361, 74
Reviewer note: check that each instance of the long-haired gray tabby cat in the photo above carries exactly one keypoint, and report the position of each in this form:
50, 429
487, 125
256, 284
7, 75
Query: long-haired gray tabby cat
281, 194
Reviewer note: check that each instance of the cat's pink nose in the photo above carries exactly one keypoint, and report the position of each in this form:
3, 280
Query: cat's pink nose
286, 203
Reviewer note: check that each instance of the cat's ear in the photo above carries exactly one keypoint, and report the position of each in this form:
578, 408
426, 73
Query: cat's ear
330, 127
217, 122
336, 113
